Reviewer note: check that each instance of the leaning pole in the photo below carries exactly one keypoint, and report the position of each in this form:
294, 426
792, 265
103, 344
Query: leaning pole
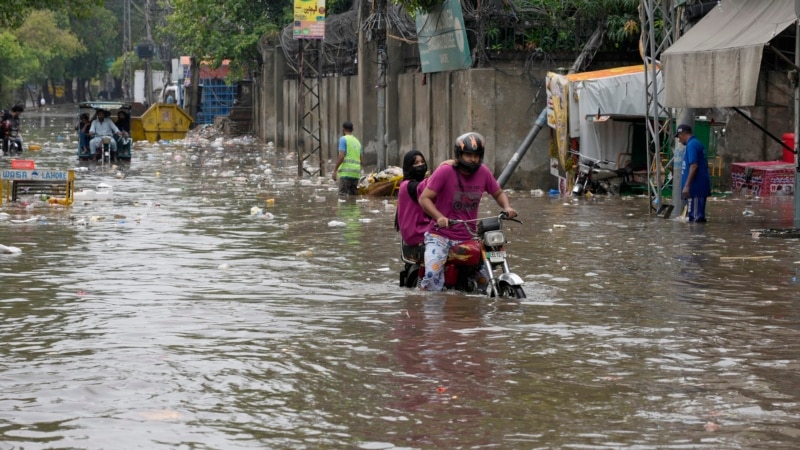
523, 148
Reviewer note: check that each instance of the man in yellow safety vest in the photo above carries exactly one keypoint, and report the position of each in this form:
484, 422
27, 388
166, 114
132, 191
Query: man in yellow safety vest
348, 166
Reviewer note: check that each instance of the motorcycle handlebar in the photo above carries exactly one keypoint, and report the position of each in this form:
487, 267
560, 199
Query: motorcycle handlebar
502, 216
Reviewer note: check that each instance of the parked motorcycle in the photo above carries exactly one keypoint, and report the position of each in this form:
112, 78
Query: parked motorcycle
597, 177
464, 262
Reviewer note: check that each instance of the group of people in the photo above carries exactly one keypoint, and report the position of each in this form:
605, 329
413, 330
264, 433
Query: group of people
426, 206
92, 131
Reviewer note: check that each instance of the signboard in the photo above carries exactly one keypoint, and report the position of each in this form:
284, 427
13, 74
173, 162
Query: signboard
442, 39
309, 19
35, 175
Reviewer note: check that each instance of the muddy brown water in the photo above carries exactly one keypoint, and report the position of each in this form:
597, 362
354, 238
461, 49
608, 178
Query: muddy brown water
162, 311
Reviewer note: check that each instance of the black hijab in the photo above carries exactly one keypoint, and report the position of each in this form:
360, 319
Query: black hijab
415, 176
411, 173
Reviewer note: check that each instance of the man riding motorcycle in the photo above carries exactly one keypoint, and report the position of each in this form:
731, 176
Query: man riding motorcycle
102, 127
9, 128
454, 192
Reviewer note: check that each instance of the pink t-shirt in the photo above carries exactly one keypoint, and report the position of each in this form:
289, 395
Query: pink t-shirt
411, 219
458, 196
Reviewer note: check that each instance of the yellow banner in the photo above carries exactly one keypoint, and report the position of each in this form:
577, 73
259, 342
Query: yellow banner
309, 19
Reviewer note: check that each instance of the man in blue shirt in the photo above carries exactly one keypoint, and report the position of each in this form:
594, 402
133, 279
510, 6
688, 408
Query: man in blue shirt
695, 181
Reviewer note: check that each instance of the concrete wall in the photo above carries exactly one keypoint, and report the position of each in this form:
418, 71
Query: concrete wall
428, 111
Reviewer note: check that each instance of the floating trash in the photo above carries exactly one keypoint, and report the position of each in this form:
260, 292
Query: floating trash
8, 250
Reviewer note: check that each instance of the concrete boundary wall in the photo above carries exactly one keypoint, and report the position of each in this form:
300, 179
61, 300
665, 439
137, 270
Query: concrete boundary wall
428, 111
425, 112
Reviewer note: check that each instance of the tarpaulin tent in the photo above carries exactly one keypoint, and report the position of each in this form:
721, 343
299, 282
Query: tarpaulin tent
599, 106
717, 62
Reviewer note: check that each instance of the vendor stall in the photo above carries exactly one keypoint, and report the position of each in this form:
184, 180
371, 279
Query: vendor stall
600, 115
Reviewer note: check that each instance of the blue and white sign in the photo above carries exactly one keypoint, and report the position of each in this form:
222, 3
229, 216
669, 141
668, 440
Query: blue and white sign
35, 175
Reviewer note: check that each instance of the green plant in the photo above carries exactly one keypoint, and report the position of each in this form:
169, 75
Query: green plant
414, 6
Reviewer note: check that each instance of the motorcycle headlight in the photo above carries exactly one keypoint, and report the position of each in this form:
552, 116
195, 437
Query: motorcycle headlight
106, 139
494, 238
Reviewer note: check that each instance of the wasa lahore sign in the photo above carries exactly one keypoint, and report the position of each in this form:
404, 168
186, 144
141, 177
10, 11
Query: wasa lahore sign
442, 39
309, 19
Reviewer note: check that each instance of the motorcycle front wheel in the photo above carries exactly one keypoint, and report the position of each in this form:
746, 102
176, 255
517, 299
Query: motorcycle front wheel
510, 291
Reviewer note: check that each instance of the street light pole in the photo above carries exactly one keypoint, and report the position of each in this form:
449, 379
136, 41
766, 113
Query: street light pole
797, 119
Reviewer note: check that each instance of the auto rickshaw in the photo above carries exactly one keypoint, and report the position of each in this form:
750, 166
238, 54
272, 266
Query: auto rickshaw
124, 141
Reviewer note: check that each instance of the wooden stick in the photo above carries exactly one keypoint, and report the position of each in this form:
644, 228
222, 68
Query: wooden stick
755, 258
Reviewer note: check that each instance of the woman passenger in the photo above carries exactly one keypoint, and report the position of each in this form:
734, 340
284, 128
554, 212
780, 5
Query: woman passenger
410, 220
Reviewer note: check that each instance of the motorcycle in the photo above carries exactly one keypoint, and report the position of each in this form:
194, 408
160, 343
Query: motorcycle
464, 262
596, 177
124, 142
106, 153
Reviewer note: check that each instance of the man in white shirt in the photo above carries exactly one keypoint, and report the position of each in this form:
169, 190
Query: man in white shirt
102, 127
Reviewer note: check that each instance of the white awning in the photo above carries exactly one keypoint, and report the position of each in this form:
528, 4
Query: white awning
717, 62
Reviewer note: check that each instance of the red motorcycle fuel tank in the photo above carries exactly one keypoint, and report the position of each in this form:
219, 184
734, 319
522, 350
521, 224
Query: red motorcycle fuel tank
467, 253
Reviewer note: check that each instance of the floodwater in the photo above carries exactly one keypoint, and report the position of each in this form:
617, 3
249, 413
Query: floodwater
161, 311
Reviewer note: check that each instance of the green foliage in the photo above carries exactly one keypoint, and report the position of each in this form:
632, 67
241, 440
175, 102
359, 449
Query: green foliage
15, 65
14, 12
100, 35
415, 6
565, 25
216, 30
46, 38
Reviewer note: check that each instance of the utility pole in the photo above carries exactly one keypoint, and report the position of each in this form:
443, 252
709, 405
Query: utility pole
797, 119
127, 48
380, 85
376, 26
148, 69
659, 118
309, 32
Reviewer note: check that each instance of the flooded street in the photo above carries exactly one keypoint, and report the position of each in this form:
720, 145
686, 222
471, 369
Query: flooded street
162, 311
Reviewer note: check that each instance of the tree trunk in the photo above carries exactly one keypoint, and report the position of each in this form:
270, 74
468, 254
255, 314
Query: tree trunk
69, 96
53, 90
80, 90
45, 89
116, 93
193, 98
589, 50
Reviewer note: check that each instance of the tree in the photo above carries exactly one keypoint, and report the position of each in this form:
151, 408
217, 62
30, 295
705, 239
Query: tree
231, 29
46, 38
14, 12
15, 66
549, 25
415, 6
222, 29
99, 33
